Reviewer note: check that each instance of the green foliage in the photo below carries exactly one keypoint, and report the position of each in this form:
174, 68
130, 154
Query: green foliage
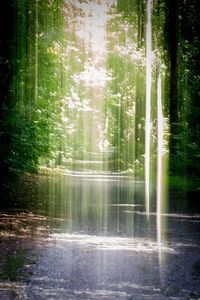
125, 100
44, 102
33, 112
176, 35
133, 11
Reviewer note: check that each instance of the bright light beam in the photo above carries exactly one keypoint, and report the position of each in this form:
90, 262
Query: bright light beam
159, 158
148, 104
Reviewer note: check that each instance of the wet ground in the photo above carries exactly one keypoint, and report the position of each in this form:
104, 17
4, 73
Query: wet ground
88, 237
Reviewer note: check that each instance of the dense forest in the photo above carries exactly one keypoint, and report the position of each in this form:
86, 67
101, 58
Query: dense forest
99, 149
47, 112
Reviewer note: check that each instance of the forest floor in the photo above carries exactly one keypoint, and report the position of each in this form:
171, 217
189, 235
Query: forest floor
37, 261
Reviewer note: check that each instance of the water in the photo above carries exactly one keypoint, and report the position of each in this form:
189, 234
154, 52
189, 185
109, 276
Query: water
95, 204
89, 237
